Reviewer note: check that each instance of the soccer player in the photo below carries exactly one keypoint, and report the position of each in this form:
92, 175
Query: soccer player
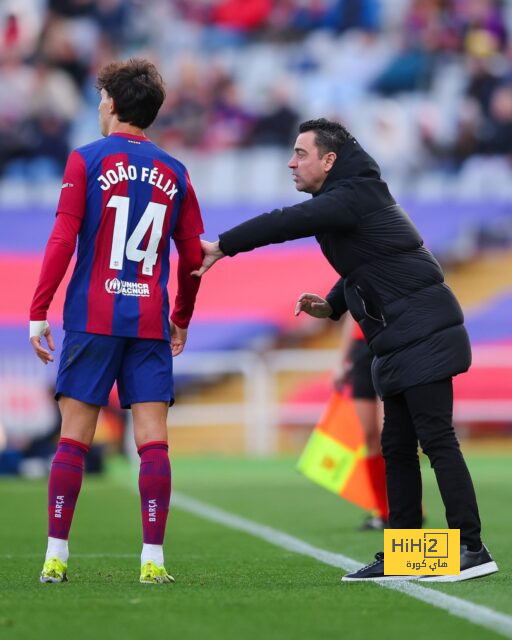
394, 288
124, 198
354, 366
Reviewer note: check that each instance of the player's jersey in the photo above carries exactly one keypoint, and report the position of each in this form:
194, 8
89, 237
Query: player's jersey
132, 198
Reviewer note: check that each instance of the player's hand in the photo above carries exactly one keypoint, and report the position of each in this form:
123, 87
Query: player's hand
178, 339
40, 329
212, 253
313, 305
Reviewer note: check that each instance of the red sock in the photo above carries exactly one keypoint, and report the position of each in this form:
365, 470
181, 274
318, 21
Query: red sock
155, 490
64, 486
377, 472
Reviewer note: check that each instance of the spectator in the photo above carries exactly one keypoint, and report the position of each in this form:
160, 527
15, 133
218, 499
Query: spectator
495, 137
346, 52
70, 44
276, 126
230, 123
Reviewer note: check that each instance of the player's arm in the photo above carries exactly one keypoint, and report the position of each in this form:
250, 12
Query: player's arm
58, 253
190, 257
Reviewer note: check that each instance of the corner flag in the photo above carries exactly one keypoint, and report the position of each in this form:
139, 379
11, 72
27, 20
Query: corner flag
335, 454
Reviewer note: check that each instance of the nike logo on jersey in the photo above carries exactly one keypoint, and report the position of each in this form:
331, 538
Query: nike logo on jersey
67, 184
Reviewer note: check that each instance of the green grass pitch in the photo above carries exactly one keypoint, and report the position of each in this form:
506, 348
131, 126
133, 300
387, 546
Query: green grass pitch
228, 583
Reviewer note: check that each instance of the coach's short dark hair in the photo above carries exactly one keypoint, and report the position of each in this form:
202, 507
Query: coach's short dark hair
136, 88
329, 136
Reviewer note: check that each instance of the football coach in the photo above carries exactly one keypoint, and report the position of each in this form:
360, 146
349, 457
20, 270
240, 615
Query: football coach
394, 288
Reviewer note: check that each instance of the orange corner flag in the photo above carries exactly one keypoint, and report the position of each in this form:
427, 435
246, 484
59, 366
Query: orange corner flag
335, 454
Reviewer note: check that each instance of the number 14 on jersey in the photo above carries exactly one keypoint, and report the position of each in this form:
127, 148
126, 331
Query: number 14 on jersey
154, 216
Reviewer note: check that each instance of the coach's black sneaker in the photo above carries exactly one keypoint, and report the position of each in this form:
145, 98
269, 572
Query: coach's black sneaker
473, 564
374, 523
373, 571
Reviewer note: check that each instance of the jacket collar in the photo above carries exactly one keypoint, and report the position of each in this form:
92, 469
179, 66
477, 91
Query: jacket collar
352, 162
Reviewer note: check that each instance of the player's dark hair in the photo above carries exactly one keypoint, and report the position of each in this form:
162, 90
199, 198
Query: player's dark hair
329, 135
136, 88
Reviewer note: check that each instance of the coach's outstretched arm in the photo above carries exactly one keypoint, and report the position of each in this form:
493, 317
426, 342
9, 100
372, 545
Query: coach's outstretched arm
325, 213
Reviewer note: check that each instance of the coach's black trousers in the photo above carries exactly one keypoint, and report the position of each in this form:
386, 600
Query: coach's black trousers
424, 414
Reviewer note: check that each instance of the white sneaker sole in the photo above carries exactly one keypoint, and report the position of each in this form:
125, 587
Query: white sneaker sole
474, 572
382, 579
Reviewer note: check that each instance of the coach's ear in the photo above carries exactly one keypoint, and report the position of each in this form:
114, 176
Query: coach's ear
328, 160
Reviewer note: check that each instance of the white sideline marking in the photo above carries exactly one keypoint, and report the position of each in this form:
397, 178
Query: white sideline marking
475, 613
13, 556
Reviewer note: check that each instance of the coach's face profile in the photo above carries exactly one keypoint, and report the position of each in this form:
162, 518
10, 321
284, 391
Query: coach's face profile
309, 164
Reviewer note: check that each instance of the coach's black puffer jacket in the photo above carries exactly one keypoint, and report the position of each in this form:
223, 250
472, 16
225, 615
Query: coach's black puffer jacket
390, 283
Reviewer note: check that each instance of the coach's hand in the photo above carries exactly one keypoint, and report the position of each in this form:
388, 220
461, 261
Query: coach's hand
38, 330
178, 339
212, 253
313, 305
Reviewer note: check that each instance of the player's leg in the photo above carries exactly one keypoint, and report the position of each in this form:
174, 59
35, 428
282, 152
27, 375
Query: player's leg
145, 383
150, 427
86, 374
369, 410
78, 426
366, 410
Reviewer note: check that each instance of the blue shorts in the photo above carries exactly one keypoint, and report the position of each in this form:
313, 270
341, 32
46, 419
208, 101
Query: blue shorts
90, 364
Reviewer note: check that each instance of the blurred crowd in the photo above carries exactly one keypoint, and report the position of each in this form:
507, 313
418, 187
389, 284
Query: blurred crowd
426, 85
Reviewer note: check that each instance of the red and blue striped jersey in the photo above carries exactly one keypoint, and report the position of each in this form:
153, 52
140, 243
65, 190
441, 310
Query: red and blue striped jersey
132, 198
